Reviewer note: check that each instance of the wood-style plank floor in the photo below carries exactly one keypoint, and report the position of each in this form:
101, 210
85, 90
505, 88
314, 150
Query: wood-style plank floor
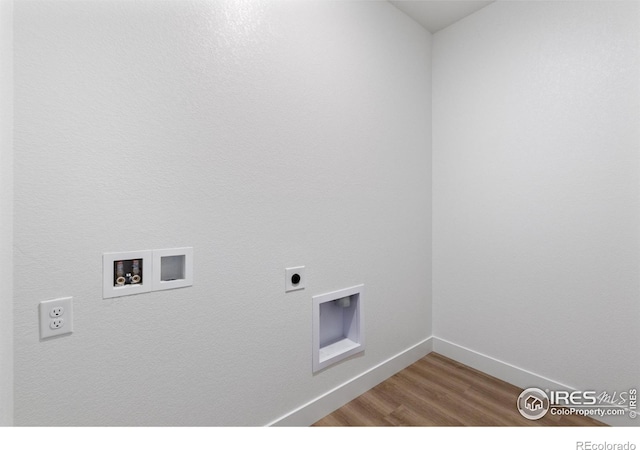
437, 391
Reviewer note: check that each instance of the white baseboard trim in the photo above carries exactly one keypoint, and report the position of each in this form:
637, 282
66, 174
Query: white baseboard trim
321, 406
494, 367
325, 404
512, 374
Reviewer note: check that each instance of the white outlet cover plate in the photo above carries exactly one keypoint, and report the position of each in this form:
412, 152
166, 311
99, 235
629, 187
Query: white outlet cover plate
109, 290
288, 284
187, 280
46, 317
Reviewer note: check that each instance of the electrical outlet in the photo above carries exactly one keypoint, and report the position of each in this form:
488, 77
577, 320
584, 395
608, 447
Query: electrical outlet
56, 311
56, 317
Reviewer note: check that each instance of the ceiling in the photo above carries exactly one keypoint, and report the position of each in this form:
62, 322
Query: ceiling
438, 14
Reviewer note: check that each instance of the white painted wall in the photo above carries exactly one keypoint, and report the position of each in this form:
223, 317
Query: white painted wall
6, 212
536, 202
265, 135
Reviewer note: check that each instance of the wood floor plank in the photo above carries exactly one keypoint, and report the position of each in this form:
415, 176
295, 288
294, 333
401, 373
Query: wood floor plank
430, 406
437, 391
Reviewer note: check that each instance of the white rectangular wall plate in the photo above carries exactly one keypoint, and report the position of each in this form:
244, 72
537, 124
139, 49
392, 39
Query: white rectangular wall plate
127, 273
294, 279
172, 268
56, 317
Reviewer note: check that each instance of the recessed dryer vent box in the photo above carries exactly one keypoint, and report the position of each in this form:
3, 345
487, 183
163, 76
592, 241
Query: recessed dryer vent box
173, 268
126, 273
338, 326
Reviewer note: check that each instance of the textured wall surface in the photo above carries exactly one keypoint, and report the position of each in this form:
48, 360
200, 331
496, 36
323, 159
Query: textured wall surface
265, 135
6, 212
536, 205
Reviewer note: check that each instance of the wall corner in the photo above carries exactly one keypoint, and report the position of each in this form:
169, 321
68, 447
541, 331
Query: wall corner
6, 211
